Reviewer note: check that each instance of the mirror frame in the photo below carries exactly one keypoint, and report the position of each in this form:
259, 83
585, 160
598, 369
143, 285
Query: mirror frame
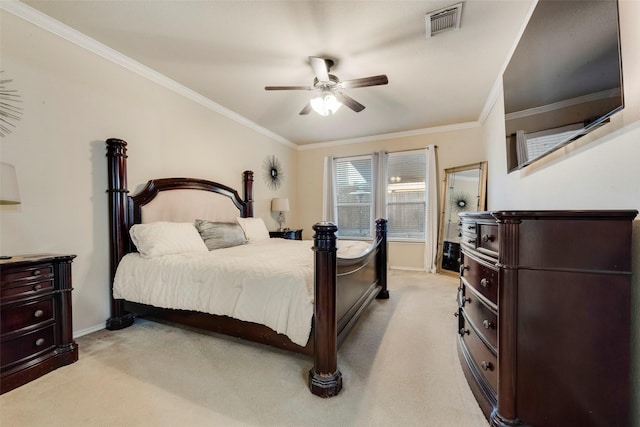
482, 198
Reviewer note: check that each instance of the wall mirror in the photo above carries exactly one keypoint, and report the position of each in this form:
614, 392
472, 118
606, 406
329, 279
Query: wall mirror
464, 190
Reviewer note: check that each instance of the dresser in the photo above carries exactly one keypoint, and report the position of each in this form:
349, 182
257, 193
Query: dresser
36, 324
544, 315
287, 234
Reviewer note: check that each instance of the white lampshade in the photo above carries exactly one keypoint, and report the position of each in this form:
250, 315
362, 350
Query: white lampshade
9, 194
280, 205
325, 103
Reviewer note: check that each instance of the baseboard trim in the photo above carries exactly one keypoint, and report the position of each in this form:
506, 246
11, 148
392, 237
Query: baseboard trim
83, 332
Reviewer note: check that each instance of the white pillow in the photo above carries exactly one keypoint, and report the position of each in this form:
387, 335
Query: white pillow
166, 238
254, 229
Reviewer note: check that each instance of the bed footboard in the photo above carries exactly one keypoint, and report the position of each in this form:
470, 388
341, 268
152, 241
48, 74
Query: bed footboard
342, 292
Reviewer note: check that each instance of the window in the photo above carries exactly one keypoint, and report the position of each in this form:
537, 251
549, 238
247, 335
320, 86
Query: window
406, 195
354, 196
401, 196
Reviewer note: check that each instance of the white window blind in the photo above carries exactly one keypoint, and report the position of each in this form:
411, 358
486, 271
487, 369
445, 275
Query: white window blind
355, 196
406, 195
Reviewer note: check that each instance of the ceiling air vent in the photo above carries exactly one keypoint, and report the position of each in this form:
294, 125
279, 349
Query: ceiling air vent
443, 19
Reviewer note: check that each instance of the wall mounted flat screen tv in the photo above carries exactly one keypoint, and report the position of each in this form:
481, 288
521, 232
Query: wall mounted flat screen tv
564, 78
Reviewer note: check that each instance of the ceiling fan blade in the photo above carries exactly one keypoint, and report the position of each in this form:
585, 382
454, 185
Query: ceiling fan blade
320, 69
288, 88
365, 81
306, 110
349, 102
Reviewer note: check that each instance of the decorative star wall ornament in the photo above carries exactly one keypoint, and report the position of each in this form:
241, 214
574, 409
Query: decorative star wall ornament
459, 202
9, 111
272, 172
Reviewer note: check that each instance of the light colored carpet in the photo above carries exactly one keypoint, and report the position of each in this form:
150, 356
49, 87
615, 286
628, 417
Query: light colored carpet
399, 364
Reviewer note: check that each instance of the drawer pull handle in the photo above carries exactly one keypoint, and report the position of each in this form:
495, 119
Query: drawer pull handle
456, 314
463, 331
36, 272
40, 342
484, 283
463, 268
37, 287
487, 238
38, 313
471, 227
487, 366
466, 300
487, 324
471, 241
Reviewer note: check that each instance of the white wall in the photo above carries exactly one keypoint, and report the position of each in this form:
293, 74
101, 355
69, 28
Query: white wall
599, 171
73, 100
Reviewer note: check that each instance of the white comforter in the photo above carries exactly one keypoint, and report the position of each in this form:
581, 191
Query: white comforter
268, 282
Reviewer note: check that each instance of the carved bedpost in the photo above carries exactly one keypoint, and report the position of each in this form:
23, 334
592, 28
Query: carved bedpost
325, 380
381, 258
247, 181
118, 221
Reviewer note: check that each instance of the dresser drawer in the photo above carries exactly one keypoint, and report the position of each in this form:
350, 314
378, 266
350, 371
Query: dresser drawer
21, 316
483, 279
485, 361
483, 319
488, 237
27, 346
468, 227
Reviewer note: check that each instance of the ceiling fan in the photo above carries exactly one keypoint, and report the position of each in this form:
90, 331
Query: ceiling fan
330, 96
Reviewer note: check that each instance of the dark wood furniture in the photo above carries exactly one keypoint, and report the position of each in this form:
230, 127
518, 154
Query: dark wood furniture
544, 316
343, 287
37, 334
287, 234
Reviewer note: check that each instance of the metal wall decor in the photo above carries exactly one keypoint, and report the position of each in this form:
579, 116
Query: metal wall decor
272, 172
9, 111
460, 202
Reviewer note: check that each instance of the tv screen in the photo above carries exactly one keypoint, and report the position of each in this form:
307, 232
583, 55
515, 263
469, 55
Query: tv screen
564, 78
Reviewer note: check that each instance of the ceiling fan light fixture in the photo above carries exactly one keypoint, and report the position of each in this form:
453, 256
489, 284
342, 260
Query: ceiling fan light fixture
325, 103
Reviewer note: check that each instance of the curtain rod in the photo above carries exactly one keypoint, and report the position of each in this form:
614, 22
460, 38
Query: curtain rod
388, 152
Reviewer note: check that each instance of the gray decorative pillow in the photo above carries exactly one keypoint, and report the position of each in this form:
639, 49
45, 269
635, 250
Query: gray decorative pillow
218, 235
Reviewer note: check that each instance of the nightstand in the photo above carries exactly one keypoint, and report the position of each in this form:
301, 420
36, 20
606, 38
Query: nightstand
287, 234
36, 328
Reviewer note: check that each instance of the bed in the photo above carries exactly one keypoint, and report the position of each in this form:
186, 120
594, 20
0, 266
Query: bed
338, 286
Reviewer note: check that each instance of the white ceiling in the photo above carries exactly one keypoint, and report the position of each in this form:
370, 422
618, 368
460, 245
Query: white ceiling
228, 51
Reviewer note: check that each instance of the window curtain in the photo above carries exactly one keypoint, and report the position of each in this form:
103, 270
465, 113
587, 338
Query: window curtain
380, 173
431, 221
329, 202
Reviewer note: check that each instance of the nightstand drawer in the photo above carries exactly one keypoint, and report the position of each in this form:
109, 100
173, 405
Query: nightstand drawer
28, 289
27, 346
486, 362
21, 316
484, 279
26, 282
34, 273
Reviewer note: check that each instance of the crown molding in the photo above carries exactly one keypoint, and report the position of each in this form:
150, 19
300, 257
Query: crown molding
47, 23
416, 132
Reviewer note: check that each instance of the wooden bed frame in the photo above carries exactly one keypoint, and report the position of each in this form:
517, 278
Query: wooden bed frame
343, 287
